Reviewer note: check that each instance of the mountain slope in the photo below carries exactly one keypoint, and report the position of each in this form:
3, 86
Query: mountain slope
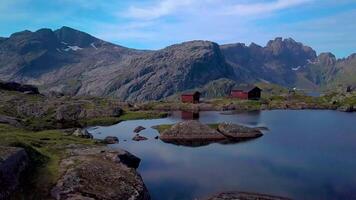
276, 62
76, 63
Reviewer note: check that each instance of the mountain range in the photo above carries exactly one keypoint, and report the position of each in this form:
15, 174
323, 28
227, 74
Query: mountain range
75, 63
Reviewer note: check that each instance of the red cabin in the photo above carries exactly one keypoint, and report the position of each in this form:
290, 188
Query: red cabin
190, 97
246, 92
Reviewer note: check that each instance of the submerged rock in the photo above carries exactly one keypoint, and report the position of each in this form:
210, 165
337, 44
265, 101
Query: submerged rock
138, 137
236, 131
99, 173
139, 129
244, 196
13, 161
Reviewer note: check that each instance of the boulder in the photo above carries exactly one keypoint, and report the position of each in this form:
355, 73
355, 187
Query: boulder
128, 159
138, 137
139, 129
191, 130
244, 196
236, 131
82, 133
99, 173
68, 112
111, 140
13, 161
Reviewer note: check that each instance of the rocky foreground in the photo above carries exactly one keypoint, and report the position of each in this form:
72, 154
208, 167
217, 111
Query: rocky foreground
66, 164
99, 173
13, 162
194, 133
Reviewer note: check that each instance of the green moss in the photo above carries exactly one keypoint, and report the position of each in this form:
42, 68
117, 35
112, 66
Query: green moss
102, 121
162, 127
134, 115
45, 149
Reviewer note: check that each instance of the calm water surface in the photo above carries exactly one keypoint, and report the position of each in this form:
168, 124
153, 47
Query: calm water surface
305, 155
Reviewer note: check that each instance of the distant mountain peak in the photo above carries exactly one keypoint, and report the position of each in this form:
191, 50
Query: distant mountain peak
74, 37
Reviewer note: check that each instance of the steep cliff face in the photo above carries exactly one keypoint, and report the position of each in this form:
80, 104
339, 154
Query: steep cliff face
327, 71
176, 68
276, 62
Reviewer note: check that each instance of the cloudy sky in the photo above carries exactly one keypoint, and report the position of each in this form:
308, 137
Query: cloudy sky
326, 25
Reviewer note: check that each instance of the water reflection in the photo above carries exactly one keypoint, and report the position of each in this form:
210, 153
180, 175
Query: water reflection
185, 115
305, 155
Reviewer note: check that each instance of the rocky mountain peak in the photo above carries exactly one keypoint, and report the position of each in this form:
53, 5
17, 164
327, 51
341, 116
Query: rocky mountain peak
352, 56
327, 59
280, 46
70, 36
21, 33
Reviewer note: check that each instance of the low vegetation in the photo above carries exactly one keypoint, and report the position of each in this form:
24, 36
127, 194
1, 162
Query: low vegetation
45, 149
162, 127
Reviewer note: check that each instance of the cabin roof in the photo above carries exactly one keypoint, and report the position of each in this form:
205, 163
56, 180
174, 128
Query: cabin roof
190, 93
246, 88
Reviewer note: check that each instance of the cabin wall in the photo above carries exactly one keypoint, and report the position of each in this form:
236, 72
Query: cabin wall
254, 94
187, 98
239, 94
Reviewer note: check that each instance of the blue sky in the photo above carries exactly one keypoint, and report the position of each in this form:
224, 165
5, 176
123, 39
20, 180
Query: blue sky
325, 25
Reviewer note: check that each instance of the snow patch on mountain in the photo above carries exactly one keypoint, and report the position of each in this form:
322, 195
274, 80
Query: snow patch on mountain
73, 48
93, 45
296, 68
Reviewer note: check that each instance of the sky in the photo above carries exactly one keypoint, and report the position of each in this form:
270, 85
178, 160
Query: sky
325, 25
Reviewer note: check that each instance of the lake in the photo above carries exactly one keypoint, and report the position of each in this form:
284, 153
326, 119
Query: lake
306, 154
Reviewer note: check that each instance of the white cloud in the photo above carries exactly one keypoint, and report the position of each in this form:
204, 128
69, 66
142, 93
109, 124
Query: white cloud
160, 9
215, 7
261, 8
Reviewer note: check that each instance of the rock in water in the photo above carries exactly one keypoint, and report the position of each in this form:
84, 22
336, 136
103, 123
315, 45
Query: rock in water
13, 161
111, 140
190, 131
99, 173
139, 129
82, 133
138, 137
238, 132
244, 196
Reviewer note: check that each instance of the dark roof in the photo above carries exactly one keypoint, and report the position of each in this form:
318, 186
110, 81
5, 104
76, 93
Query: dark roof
190, 93
246, 88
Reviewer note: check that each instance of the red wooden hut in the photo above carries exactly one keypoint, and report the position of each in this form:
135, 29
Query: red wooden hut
250, 92
192, 97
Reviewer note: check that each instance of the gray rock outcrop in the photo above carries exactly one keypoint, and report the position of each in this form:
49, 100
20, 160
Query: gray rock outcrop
13, 161
111, 140
99, 173
82, 133
236, 131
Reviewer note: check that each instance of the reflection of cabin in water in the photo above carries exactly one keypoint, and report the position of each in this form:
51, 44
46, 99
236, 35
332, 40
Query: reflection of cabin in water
192, 97
250, 92
185, 115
